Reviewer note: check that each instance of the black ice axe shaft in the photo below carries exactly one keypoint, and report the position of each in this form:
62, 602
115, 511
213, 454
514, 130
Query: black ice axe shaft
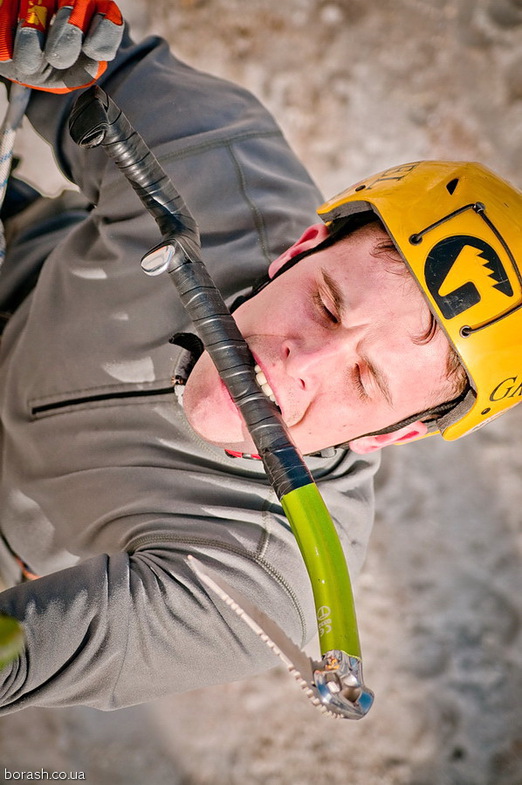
97, 120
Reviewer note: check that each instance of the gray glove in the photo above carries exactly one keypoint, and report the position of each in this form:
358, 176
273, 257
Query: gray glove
58, 45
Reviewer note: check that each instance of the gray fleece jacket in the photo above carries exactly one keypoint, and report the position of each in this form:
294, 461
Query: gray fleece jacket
104, 487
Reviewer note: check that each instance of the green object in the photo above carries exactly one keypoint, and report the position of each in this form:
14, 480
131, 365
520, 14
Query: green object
318, 541
11, 639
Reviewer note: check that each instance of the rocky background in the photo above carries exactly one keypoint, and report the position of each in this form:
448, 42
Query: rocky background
358, 85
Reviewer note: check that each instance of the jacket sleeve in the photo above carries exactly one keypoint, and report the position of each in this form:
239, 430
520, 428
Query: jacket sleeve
177, 109
190, 118
126, 628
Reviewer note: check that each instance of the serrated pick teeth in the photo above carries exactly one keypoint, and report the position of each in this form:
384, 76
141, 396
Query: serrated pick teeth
218, 586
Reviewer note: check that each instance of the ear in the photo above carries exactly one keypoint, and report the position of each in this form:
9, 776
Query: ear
366, 444
311, 237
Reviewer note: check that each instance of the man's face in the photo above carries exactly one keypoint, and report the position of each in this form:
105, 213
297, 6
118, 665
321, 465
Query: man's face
337, 339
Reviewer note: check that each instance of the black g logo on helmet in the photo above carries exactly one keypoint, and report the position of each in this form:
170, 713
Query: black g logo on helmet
460, 270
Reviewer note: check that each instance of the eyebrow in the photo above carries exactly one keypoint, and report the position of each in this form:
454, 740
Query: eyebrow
339, 300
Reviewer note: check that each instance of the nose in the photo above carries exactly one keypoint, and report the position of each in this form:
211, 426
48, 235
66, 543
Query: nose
310, 360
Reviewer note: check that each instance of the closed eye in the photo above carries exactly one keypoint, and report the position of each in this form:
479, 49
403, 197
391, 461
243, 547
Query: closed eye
326, 307
380, 379
358, 383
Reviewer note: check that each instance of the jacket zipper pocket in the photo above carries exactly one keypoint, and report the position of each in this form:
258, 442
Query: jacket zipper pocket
54, 406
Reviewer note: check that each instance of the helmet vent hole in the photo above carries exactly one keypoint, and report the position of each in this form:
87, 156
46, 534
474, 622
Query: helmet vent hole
450, 187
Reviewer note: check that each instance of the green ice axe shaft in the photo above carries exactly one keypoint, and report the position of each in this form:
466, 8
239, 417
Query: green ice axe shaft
96, 120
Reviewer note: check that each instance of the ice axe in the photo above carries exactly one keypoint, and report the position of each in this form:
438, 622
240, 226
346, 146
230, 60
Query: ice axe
335, 682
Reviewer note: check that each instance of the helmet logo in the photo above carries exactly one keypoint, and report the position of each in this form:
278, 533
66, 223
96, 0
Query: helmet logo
508, 388
460, 270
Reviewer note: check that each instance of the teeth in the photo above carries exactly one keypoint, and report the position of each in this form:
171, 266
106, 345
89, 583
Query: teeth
260, 376
262, 382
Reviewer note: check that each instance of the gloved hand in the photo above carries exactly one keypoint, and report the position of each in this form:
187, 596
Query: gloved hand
58, 45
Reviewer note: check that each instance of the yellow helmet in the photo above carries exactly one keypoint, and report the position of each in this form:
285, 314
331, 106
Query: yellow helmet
458, 227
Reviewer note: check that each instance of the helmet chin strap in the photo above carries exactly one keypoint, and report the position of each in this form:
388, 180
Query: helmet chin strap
433, 418
341, 228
